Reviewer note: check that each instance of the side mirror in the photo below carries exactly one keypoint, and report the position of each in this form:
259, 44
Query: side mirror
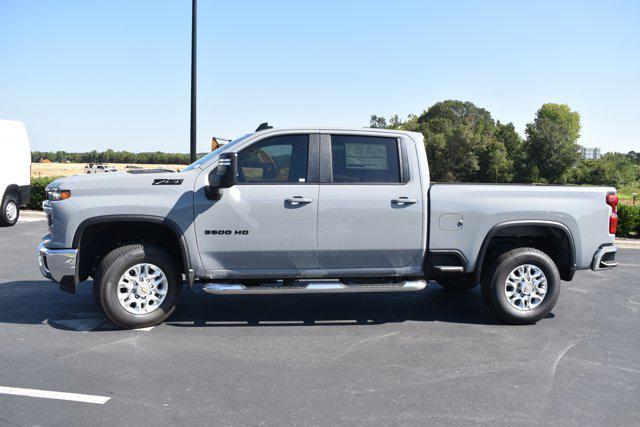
225, 175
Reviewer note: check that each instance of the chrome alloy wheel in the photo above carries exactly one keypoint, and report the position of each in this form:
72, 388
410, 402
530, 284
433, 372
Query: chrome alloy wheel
525, 287
11, 211
142, 288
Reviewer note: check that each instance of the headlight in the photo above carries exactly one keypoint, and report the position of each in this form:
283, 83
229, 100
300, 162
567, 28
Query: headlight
57, 194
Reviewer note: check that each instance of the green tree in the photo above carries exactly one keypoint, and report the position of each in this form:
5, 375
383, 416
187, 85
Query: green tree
495, 165
110, 156
377, 122
551, 147
514, 144
612, 169
395, 122
461, 143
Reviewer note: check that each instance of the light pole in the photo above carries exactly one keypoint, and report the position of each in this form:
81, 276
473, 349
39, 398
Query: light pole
192, 138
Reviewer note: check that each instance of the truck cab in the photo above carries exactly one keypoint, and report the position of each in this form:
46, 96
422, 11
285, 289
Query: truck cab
309, 202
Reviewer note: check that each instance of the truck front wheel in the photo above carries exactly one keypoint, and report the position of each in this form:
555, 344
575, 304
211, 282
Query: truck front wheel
522, 286
137, 285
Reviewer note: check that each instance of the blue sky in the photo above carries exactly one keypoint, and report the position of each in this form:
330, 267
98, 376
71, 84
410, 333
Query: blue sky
89, 75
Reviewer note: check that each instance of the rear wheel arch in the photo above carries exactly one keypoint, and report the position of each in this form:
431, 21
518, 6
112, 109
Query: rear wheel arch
514, 234
12, 189
95, 237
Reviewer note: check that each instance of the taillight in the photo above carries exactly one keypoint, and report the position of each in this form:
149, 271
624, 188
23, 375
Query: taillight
613, 223
612, 200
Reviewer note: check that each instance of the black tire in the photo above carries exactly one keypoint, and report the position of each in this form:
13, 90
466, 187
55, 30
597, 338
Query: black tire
7, 200
115, 264
458, 285
494, 279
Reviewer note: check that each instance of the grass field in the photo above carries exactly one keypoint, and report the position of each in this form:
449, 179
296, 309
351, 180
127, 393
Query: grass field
66, 169
626, 194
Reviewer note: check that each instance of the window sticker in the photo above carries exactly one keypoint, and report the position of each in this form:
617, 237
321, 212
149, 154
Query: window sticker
366, 156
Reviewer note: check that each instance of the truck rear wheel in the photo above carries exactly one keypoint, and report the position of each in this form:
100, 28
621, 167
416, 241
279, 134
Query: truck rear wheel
137, 286
10, 210
522, 286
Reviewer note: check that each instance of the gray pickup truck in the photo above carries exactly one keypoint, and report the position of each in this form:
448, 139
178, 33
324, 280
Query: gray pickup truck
308, 210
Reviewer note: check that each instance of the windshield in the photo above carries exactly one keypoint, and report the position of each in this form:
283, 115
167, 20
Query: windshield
205, 159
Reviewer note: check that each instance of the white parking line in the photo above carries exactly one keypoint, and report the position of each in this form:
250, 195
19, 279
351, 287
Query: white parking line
44, 394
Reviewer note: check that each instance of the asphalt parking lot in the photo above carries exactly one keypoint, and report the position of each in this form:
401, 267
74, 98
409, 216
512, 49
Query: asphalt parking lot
431, 357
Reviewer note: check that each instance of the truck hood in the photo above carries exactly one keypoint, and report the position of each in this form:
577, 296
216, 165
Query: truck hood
120, 182
159, 195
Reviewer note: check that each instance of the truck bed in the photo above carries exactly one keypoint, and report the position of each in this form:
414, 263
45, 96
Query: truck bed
461, 216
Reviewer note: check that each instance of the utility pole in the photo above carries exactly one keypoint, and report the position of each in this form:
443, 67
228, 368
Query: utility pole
194, 20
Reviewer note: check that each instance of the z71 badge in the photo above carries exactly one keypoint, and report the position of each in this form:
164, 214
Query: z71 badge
167, 181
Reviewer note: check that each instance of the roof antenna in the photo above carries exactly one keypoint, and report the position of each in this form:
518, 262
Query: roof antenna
264, 126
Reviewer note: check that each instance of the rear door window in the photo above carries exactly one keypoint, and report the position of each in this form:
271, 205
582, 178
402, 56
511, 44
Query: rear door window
365, 159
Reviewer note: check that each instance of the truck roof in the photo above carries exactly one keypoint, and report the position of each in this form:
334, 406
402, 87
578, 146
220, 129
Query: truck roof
338, 129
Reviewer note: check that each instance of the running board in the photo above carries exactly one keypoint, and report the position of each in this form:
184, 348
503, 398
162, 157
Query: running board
313, 288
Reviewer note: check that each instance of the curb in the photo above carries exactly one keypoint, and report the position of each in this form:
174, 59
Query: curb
32, 214
628, 243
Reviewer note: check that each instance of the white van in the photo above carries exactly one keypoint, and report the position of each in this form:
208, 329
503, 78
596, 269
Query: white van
15, 170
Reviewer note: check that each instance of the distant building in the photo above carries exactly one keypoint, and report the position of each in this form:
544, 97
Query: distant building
591, 153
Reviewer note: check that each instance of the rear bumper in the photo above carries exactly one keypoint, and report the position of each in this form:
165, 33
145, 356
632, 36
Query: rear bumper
604, 258
58, 265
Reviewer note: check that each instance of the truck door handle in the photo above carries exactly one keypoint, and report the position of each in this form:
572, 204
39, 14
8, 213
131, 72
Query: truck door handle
403, 201
298, 200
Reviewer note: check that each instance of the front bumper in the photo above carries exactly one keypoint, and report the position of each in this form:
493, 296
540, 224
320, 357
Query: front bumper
604, 258
58, 265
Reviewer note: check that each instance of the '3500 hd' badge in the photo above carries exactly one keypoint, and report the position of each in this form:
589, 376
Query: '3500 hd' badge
226, 232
